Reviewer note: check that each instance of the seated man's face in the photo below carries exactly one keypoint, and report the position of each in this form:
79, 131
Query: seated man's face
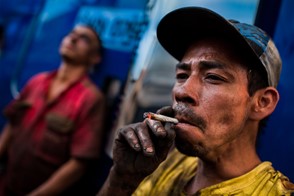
211, 100
80, 45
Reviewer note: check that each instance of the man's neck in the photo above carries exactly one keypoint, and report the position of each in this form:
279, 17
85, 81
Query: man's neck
222, 168
68, 73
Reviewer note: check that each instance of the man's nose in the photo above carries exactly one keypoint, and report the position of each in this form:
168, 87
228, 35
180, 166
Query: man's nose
74, 38
186, 92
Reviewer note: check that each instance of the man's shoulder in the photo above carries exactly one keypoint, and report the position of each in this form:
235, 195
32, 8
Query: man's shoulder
91, 89
39, 77
274, 182
287, 184
262, 180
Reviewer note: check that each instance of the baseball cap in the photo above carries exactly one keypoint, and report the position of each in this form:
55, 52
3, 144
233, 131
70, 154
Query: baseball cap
182, 27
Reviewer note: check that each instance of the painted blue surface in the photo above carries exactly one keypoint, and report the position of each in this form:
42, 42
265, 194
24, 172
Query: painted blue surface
15, 20
277, 141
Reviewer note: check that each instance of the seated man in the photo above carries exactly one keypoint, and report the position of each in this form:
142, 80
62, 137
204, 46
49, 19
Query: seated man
54, 130
225, 89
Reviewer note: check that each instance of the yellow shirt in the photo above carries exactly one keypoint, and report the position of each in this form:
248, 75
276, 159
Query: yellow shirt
172, 175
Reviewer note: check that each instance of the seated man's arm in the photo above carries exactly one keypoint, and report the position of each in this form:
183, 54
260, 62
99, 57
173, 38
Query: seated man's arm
63, 178
5, 138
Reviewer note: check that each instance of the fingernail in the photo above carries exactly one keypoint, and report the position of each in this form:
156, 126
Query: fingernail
149, 150
159, 129
137, 145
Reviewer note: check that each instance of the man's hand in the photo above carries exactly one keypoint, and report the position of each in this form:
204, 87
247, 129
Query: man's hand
141, 147
138, 150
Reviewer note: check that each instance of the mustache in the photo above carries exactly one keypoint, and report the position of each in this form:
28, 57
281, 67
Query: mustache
189, 115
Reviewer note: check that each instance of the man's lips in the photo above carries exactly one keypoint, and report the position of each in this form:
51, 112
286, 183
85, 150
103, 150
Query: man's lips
186, 115
188, 122
183, 120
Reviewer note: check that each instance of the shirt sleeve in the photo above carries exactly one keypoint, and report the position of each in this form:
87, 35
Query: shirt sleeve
15, 110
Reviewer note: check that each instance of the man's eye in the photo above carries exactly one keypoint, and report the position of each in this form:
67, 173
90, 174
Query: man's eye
214, 77
85, 38
181, 76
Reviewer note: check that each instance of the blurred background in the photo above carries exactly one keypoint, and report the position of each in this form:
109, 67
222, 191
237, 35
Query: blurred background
137, 74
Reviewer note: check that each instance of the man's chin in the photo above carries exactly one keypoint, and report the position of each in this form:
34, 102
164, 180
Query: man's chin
186, 149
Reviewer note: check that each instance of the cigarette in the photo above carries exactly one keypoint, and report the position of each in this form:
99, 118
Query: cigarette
160, 117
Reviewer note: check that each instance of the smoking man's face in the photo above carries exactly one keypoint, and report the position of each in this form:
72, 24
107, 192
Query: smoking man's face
210, 97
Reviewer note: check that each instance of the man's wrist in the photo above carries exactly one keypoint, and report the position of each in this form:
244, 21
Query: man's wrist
119, 178
121, 183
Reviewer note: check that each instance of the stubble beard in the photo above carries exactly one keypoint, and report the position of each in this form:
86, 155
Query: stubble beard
195, 150
182, 144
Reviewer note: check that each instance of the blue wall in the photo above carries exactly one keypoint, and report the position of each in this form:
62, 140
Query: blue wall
277, 141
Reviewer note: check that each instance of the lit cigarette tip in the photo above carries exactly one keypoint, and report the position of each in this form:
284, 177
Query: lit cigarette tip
160, 117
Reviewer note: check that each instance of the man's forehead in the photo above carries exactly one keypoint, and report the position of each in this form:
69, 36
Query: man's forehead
214, 48
209, 58
85, 30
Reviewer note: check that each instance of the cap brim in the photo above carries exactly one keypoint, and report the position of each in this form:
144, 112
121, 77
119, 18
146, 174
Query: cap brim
180, 28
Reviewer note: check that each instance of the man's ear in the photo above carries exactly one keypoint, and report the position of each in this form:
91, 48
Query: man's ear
264, 103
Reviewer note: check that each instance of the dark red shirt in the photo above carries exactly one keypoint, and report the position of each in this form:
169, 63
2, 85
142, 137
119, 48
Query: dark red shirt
48, 134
